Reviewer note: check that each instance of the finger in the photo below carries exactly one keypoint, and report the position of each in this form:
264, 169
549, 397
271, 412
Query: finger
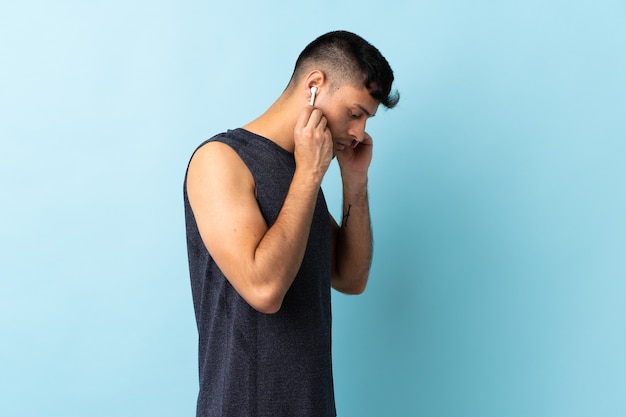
314, 118
322, 124
304, 117
366, 141
328, 135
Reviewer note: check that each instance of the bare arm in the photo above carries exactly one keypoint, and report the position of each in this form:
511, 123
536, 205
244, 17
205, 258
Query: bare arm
260, 262
352, 242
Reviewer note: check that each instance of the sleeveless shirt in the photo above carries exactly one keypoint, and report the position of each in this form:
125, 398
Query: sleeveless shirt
250, 363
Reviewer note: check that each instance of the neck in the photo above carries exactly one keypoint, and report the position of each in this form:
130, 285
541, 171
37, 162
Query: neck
278, 122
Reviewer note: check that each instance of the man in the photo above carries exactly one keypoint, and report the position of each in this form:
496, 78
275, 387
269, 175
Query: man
264, 250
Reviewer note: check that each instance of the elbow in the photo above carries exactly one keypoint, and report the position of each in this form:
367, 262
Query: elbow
351, 287
263, 294
360, 289
266, 300
267, 308
355, 289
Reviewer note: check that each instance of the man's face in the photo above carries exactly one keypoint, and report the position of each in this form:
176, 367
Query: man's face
347, 110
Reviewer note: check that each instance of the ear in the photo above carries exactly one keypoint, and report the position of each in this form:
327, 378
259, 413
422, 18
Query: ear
315, 78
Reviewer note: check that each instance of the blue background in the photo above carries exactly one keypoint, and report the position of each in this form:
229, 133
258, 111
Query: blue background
497, 195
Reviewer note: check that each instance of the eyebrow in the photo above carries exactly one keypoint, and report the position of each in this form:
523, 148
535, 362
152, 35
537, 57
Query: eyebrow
365, 110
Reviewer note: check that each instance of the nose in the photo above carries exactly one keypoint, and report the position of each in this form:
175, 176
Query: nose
357, 132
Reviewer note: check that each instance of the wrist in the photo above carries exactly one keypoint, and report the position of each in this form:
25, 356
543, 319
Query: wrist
307, 180
355, 186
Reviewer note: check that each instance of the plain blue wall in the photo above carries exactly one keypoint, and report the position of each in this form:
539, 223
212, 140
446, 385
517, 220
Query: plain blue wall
497, 193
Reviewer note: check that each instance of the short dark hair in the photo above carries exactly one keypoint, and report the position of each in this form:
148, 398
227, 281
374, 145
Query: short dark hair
350, 58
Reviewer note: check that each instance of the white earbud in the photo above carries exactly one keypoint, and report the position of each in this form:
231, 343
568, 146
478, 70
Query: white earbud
313, 92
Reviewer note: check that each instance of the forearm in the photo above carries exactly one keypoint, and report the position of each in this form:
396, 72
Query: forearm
280, 251
354, 240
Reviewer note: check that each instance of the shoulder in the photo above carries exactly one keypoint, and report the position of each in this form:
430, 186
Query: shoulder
214, 151
217, 163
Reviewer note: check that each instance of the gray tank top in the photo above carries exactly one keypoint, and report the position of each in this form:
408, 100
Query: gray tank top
254, 364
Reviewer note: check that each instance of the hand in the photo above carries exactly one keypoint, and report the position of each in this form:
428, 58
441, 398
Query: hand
354, 160
313, 142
